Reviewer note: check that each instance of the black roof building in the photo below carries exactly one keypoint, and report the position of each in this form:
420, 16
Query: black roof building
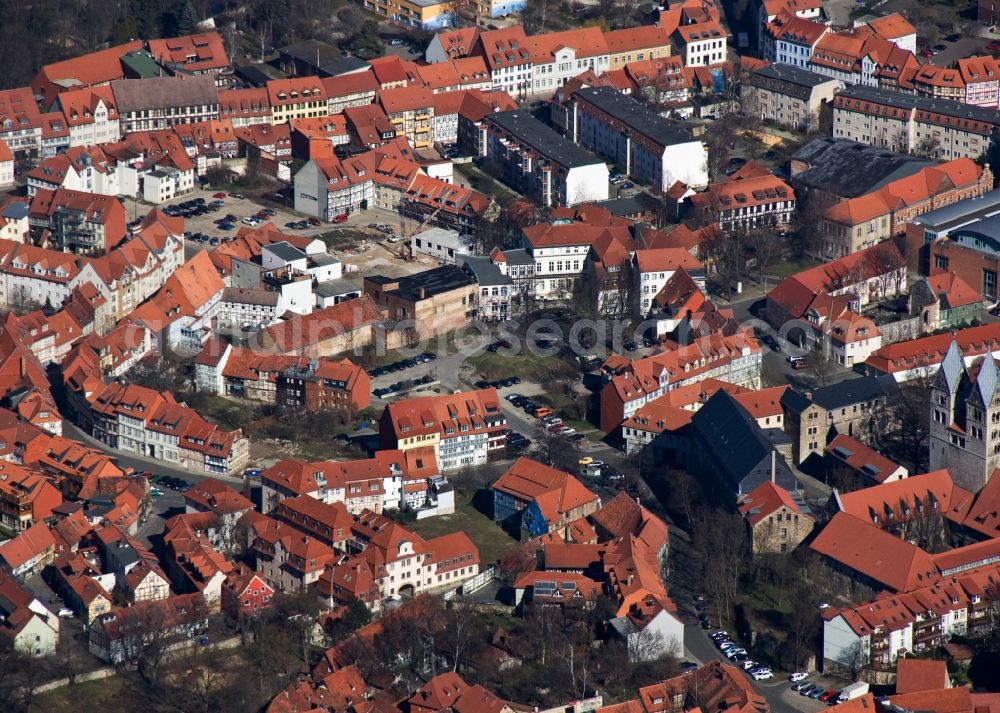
423, 284
847, 393
849, 169
636, 116
729, 442
546, 141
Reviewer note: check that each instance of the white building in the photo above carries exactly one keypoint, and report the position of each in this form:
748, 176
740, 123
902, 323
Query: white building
6, 166
79, 169
91, 115
543, 164
165, 184
560, 56
329, 187
702, 44
559, 250
245, 307
649, 147
441, 244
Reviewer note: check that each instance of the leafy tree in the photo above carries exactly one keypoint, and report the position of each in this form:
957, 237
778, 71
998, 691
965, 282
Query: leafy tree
366, 43
187, 19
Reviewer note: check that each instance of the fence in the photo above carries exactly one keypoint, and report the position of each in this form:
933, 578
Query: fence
479, 581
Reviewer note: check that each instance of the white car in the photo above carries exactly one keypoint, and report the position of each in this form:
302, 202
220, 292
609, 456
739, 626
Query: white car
66, 613
798, 676
761, 675
748, 664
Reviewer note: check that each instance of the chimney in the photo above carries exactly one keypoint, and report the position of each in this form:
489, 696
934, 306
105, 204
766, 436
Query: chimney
422, 292
774, 459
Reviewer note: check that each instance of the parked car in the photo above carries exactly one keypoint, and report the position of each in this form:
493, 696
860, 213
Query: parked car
396, 42
66, 613
761, 675
798, 676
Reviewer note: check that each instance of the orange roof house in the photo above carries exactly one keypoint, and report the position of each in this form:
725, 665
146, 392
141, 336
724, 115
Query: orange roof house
202, 53
865, 464
873, 555
777, 522
542, 498
87, 70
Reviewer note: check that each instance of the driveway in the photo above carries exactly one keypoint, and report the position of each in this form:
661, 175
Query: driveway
964, 47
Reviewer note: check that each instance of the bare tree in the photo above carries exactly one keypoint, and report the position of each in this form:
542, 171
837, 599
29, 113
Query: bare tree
463, 624
721, 546
821, 368
766, 244
647, 645
885, 264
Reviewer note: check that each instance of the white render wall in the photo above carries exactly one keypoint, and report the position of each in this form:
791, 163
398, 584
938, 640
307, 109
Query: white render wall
686, 162
586, 183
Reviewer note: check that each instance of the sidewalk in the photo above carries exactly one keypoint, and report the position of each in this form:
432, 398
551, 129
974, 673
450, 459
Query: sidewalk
140, 462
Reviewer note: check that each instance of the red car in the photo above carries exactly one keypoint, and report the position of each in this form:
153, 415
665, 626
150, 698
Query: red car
264, 216
927, 53
317, 221
994, 46
220, 196
829, 696
342, 218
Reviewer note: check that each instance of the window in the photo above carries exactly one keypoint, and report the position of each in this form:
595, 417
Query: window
990, 284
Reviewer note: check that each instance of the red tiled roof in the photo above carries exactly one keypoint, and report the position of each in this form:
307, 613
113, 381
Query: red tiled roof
304, 330
862, 458
914, 675
197, 53
528, 480
765, 500
882, 557
952, 290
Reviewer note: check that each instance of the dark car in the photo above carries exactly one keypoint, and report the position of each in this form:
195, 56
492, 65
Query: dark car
953, 37
940, 47
629, 345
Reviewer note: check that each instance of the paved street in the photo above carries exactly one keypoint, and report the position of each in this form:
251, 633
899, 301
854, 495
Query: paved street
700, 648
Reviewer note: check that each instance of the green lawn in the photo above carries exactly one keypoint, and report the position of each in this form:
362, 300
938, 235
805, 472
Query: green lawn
488, 536
485, 184
227, 413
790, 267
530, 367
69, 699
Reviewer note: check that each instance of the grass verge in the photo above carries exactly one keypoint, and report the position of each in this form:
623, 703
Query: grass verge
491, 539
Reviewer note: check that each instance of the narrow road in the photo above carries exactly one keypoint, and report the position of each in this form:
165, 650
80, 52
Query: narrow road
141, 463
700, 648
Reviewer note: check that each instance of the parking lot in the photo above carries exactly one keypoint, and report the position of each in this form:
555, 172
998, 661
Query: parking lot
233, 203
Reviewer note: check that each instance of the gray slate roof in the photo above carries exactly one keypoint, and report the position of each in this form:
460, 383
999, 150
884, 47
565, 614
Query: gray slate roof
134, 95
850, 169
487, 274
738, 446
855, 391
637, 116
543, 139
